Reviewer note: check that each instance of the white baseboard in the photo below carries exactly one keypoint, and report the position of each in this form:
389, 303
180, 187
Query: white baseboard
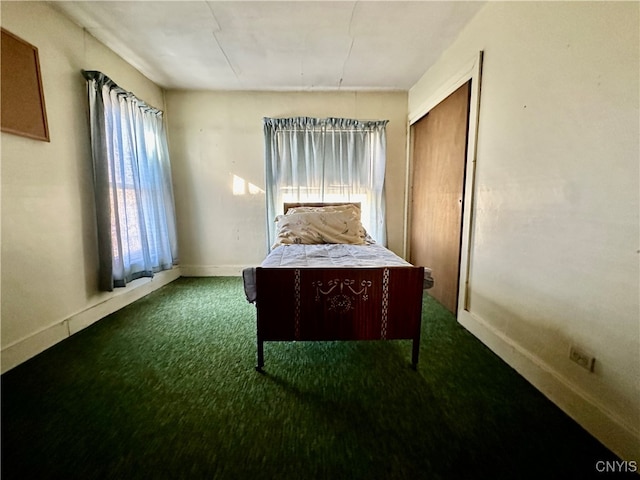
212, 270
22, 350
613, 432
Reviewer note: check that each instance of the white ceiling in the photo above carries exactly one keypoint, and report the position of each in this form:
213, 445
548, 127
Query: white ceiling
276, 45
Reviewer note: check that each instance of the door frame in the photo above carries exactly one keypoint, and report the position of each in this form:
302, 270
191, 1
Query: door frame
472, 70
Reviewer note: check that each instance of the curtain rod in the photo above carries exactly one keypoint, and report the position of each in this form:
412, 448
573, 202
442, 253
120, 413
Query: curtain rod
97, 76
342, 130
312, 122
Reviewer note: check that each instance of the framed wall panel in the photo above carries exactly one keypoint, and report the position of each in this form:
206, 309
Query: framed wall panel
23, 108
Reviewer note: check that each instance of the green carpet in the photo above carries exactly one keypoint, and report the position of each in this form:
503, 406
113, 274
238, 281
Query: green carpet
166, 389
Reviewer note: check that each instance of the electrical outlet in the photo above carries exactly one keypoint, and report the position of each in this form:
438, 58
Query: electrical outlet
581, 358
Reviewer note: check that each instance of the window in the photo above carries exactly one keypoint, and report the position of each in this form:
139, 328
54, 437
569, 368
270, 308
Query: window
326, 160
132, 179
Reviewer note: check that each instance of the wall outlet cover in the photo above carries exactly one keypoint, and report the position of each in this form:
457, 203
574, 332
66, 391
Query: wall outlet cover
583, 359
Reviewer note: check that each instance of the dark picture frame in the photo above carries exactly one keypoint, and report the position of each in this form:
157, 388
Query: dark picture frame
23, 107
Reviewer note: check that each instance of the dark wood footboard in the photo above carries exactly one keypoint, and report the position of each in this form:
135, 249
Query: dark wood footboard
377, 303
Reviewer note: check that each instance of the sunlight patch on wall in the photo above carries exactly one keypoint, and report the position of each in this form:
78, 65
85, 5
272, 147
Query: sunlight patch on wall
242, 187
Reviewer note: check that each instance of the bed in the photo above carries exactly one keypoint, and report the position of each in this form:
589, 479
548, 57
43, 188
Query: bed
321, 283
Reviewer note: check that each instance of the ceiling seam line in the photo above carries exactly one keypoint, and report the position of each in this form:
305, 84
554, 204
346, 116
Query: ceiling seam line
344, 64
215, 37
215, 19
226, 57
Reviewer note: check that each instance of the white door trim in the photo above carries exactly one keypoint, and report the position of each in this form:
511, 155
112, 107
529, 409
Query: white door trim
470, 71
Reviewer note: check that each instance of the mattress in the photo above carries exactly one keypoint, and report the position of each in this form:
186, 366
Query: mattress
328, 255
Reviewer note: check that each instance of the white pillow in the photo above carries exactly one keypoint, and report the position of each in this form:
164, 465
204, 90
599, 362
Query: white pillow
349, 207
316, 227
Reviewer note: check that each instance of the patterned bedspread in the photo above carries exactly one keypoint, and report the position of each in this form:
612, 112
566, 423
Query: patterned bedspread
333, 255
328, 255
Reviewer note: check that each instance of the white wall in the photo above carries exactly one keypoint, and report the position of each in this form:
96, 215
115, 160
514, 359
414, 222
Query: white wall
554, 248
215, 136
49, 253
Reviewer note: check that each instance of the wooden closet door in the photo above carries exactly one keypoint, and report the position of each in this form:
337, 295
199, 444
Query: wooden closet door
439, 160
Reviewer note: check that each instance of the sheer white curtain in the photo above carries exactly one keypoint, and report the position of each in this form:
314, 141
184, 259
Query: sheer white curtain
132, 180
326, 160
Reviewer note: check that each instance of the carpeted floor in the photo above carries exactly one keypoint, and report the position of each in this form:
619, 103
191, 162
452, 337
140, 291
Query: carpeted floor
166, 389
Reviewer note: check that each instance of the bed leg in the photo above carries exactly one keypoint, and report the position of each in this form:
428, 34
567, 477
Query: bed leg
415, 351
260, 363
